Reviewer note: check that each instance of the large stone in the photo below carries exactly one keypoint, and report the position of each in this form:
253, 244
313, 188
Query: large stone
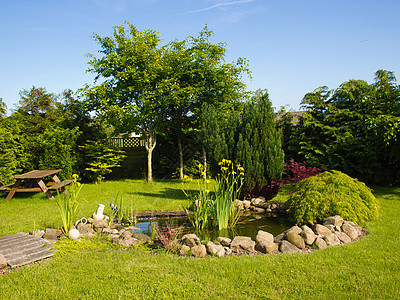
84, 229
190, 240
258, 201
52, 234
185, 250
294, 229
344, 238
199, 251
335, 221
332, 240
280, 237
331, 227
308, 235
246, 204
350, 230
239, 204
296, 239
127, 242
263, 236
224, 241
321, 229
213, 249
141, 237
320, 243
258, 209
357, 227
267, 247
242, 244
287, 247
107, 230
3, 262
100, 223
126, 234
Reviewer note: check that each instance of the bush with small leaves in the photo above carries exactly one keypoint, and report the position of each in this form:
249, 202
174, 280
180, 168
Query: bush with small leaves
332, 193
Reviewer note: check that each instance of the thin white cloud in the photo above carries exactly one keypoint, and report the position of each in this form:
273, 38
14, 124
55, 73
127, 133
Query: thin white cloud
238, 2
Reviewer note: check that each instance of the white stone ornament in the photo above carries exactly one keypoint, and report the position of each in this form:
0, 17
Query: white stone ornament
74, 234
98, 215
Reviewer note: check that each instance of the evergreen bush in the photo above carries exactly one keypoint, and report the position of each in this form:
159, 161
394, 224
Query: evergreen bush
332, 193
258, 148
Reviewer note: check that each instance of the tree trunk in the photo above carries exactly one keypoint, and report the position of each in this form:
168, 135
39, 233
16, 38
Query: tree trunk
204, 164
180, 158
150, 144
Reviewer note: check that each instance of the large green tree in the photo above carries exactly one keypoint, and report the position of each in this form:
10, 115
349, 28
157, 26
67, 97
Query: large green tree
41, 139
144, 87
354, 128
201, 79
256, 144
130, 83
3, 108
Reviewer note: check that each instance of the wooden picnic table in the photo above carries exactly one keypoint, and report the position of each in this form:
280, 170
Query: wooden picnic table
35, 181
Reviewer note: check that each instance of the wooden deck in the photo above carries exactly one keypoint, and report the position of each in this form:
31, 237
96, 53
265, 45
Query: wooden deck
22, 248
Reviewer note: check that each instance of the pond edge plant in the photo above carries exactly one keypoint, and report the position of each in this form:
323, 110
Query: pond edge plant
229, 185
218, 209
68, 204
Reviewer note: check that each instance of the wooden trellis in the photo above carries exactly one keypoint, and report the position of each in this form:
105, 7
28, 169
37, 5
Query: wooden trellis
131, 142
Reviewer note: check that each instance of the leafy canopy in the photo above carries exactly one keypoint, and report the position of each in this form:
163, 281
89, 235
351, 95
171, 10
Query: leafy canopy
354, 128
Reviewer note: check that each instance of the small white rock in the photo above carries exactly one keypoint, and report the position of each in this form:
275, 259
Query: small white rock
74, 234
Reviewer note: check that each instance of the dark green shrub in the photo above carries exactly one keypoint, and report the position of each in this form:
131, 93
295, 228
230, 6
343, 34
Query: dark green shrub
332, 193
258, 148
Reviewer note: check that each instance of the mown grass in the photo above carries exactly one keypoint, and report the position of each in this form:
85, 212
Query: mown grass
26, 211
367, 269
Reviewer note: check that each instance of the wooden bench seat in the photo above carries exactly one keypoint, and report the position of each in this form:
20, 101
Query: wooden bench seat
61, 184
7, 188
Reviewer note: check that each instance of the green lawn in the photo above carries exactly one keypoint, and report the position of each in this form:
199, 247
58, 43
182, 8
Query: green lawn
367, 269
26, 211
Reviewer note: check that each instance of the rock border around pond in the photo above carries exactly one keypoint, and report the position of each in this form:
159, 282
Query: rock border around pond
261, 205
334, 231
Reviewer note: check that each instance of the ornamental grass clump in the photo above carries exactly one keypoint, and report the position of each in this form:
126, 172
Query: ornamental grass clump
332, 193
218, 209
230, 182
68, 204
202, 205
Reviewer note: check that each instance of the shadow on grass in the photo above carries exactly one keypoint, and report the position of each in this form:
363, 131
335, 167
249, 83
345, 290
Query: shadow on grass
167, 193
22, 196
389, 193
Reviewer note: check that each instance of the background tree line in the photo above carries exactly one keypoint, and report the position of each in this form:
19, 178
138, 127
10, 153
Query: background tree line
354, 129
48, 131
191, 107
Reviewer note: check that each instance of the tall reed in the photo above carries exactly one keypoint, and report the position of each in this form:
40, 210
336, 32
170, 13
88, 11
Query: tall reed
218, 209
202, 205
68, 204
229, 184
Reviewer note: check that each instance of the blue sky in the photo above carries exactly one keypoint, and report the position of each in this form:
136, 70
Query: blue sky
293, 46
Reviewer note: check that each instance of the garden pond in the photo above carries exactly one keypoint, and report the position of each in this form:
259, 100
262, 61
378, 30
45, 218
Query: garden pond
248, 225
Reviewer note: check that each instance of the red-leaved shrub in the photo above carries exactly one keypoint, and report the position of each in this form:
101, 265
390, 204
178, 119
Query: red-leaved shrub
292, 173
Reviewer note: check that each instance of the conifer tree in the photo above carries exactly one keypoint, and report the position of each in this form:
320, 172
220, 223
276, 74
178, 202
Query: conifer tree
258, 148
214, 147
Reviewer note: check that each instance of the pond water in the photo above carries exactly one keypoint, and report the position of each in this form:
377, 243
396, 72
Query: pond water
248, 225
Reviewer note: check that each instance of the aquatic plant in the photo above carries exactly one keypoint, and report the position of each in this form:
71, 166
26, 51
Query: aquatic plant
167, 239
218, 209
68, 204
229, 184
202, 204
